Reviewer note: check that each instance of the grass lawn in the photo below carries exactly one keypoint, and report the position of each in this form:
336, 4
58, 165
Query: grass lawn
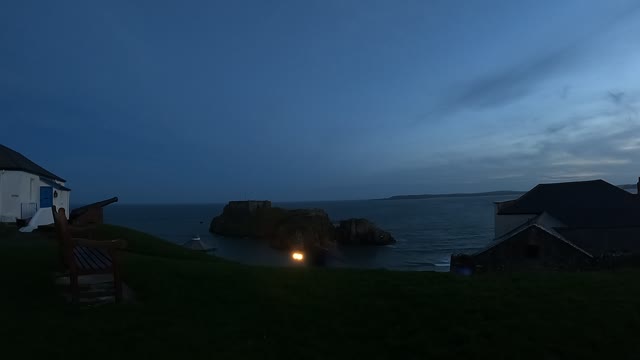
195, 306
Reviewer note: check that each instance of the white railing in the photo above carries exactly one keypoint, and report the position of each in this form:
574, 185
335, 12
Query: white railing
27, 210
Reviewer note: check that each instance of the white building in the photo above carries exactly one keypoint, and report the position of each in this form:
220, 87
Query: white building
26, 188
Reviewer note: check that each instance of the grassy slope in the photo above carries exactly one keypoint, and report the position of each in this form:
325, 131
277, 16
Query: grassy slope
191, 306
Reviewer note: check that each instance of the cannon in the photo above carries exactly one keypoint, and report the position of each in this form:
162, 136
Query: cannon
91, 213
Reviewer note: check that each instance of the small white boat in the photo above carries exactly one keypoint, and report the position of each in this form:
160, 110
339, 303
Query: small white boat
196, 244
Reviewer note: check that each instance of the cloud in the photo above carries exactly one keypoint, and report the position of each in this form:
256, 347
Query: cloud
593, 146
505, 176
589, 162
513, 83
555, 128
598, 142
629, 145
501, 88
624, 103
505, 86
573, 176
616, 97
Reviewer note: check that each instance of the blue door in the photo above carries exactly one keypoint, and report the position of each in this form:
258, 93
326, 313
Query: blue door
46, 196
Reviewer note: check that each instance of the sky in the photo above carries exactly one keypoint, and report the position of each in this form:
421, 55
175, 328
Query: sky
210, 101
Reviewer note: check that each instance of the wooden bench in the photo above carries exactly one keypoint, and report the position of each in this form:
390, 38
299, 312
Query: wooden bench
85, 256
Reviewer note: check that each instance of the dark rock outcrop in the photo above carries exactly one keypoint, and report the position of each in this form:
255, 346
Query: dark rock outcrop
244, 219
309, 230
302, 229
362, 232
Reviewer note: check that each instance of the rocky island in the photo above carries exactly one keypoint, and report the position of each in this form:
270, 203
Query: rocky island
303, 229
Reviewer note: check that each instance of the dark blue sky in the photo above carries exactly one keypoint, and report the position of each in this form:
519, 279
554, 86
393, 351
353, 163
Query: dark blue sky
201, 101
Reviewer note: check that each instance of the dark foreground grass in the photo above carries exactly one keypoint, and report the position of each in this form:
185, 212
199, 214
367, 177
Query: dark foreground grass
191, 306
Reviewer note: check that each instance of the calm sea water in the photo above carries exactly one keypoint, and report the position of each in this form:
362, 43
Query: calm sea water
427, 231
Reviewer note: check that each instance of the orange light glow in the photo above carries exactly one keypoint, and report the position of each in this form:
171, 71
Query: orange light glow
297, 256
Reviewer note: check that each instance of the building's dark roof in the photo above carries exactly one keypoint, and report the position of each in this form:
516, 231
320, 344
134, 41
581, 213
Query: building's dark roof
54, 184
580, 204
13, 160
531, 225
604, 241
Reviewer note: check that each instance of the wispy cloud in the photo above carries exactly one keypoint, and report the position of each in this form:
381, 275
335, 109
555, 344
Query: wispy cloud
575, 161
509, 84
573, 176
616, 97
629, 145
512, 83
597, 142
555, 128
505, 176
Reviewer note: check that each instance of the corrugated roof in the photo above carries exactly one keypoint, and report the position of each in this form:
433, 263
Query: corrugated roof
580, 204
13, 160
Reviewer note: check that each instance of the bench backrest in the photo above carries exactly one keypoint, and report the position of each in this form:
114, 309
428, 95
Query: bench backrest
63, 235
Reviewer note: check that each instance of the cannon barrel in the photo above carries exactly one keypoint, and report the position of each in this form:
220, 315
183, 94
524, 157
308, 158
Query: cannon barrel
75, 213
104, 203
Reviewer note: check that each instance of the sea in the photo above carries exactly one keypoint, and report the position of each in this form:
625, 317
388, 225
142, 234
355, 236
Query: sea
427, 231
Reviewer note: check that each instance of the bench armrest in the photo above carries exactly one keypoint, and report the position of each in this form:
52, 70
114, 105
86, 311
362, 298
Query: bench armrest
107, 244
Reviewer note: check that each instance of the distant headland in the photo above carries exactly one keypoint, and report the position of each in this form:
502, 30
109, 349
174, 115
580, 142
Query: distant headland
489, 193
433, 196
